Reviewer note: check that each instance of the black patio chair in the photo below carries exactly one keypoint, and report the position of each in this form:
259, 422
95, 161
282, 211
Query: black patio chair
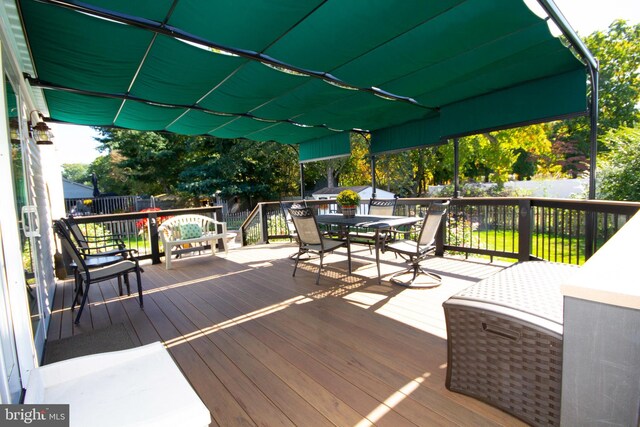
94, 245
311, 240
417, 250
101, 272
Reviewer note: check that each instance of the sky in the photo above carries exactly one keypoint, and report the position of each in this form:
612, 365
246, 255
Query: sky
76, 144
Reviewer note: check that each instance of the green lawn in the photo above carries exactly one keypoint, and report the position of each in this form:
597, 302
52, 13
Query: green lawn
544, 246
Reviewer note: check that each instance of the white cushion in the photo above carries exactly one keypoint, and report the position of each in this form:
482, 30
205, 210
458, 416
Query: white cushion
137, 387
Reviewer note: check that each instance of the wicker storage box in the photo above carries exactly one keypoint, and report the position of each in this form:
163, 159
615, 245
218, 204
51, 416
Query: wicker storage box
505, 341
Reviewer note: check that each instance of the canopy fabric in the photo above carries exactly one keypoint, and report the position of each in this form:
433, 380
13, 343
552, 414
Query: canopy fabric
198, 67
328, 147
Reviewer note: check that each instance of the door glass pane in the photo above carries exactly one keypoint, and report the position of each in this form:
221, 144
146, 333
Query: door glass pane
9, 351
21, 201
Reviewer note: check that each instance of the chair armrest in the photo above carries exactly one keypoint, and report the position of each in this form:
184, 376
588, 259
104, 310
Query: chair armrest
132, 253
106, 242
94, 239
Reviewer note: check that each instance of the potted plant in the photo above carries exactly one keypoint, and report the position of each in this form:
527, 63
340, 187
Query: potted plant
348, 200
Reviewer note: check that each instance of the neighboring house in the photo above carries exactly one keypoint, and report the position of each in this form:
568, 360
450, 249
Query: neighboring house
364, 191
74, 190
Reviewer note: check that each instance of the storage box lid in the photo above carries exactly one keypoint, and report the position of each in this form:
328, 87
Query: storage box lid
531, 287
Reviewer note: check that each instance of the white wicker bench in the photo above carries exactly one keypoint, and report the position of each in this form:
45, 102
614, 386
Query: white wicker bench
171, 232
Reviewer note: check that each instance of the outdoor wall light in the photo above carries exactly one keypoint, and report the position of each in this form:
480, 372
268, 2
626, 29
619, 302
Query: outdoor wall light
41, 133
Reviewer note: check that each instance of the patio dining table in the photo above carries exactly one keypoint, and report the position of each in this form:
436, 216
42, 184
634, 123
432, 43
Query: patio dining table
378, 223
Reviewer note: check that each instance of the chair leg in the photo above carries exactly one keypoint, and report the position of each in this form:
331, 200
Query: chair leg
126, 282
225, 246
295, 267
84, 301
167, 257
77, 281
319, 268
417, 270
120, 285
78, 292
139, 279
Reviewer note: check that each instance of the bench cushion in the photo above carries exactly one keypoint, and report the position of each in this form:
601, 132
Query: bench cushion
190, 231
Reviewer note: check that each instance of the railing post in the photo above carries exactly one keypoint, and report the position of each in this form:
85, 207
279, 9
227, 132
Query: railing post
153, 237
524, 229
589, 234
440, 236
456, 168
263, 224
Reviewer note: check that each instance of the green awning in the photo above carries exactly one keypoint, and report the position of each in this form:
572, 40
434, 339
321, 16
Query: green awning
419, 133
298, 71
328, 147
537, 101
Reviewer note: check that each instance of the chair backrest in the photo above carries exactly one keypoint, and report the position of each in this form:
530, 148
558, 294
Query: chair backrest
73, 231
285, 206
431, 223
384, 207
306, 226
61, 230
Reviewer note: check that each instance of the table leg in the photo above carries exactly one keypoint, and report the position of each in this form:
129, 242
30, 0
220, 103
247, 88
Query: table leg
349, 252
377, 238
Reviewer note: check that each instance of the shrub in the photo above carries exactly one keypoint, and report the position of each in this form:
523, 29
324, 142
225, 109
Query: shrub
348, 198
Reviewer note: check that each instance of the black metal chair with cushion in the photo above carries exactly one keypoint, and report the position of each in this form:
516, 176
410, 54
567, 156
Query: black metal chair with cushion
417, 250
93, 245
88, 275
310, 238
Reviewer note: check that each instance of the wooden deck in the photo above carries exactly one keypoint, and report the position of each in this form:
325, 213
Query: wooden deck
263, 348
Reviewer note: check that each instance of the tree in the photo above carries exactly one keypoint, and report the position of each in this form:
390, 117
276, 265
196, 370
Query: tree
112, 177
156, 163
618, 52
395, 173
569, 157
492, 156
151, 160
355, 169
618, 175
76, 172
257, 171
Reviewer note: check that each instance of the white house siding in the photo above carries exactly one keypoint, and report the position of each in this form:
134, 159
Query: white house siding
20, 352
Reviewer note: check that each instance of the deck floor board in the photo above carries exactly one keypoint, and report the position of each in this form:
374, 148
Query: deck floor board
261, 347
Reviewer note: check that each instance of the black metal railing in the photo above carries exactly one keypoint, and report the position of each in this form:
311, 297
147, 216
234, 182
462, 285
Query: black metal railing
560, 230
102, 205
